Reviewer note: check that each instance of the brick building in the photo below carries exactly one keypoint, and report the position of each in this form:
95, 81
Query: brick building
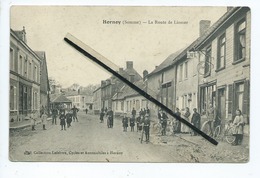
112, 85
25, 66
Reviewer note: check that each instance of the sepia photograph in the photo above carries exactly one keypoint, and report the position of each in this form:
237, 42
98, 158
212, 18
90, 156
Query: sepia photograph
129, 84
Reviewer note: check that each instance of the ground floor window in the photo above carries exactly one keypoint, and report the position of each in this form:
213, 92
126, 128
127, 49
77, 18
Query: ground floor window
239, 95
137, 103
122, 105
207, 97
13, 98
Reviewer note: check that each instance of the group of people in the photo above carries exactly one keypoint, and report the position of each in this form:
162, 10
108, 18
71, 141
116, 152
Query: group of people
65, 117
210, 115
142, 122
110, 116
194, 119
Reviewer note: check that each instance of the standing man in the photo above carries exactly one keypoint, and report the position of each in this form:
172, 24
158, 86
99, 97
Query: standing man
211, 113
147, 111
132, 123
110, 117
133, 112
164, 123
102, 115
125, 123
177, 125
54, 114
86, 111
147, 127
74, 111
195, 120
69, 118
138, 121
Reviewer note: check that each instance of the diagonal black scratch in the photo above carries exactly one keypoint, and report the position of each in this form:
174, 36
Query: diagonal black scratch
140, 91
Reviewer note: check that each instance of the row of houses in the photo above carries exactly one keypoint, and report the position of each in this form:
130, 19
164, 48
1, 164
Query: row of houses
29, 86
213, 70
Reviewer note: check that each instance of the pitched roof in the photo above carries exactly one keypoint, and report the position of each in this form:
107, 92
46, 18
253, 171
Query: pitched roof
127, 91
166, 63
218, 23
173, 58
61, 99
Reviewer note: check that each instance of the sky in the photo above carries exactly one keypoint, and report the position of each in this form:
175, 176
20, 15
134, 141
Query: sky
146, 44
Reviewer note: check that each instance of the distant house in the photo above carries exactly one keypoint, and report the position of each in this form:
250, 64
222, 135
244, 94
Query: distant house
25, 81
61, 102
112, 85
127, 99
81, 101
44, 88
97, 100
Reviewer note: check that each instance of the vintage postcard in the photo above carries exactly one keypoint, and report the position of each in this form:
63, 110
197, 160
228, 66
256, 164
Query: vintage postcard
162, 84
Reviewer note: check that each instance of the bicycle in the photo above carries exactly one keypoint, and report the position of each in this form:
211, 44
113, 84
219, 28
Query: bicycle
228, 132
206, 127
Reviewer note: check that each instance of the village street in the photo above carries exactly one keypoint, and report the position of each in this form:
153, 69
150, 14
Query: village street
91, 141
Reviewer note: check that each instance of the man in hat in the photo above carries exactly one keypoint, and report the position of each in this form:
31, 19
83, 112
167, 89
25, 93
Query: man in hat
110, 117
147, 127
195, 120
75, 110
54, 113
164, 123
133, 112
125, 122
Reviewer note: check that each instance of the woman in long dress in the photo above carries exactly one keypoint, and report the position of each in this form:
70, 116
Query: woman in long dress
186, 115
238, 124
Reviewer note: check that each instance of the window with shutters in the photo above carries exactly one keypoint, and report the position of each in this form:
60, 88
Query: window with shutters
242, 96
13, 98
21, 93
239, 96
221, 52
21, 64
25, 67
12, 59
240, 41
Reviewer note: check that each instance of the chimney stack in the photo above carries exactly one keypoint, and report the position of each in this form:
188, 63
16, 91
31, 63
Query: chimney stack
129, 64
120, 70
204, 25
145, 73
22, 35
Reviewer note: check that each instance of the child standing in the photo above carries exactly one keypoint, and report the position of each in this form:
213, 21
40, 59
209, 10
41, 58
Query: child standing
33, 121
62, 120
44, 120
238, 127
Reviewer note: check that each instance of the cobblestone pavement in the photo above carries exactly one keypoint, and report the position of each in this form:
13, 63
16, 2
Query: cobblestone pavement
89, 140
